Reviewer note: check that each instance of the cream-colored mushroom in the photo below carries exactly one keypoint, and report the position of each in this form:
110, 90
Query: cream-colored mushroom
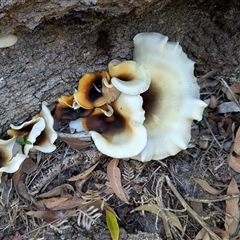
38, 132
9, 160
129, 77
172, 101
45, 141
121, 134
7, 40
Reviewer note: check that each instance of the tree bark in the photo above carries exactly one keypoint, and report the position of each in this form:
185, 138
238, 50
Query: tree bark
57, 44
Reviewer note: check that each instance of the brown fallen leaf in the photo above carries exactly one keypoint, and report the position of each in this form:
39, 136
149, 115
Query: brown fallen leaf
21, 188
28, 166
236, 144
206, 186
232, 209
15, 237
202, 235
222, 233
59, 190
233, 162
114, 176
48, 216
84, 174
61, 203
212, 102
231, 92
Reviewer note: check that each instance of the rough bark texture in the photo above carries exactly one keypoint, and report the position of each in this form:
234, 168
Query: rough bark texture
58, 43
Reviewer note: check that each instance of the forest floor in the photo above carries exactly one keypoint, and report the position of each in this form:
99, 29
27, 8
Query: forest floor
193, 195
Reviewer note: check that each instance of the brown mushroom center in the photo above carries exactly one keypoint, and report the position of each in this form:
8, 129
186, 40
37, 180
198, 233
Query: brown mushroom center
4, 157
150, 99
105, 125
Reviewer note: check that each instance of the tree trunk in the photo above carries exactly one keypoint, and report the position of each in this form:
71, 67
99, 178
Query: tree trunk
57, 44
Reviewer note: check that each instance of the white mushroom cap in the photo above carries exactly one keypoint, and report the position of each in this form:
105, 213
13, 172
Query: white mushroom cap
7, 40
172, 101
45, 142
6, 150
38, 132
9, 162
120, 135
32, 129
14, 164
129, 77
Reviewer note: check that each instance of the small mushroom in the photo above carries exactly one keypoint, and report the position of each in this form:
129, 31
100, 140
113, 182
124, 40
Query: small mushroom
95, 90
129, 77
68, 109
172, 101
121, 134
10, 160
7, 40
38, 132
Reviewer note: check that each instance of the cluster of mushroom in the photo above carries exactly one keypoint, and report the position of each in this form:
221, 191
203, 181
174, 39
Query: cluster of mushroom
36, 134
140, 109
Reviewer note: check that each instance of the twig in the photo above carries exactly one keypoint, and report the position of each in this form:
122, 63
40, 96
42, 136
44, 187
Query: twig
209, 127
207, 75
224, 83
162, 208
191, 211
218, 199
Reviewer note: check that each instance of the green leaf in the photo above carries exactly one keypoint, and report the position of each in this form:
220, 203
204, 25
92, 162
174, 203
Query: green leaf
20, 140
112, 225
205, 113
27, 142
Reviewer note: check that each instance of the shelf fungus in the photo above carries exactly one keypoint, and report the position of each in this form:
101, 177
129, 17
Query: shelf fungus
38, 132
141, 109
11, 156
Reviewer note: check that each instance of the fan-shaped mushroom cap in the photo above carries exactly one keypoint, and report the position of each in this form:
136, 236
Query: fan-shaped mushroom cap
6, 150
7, 40
95, 90
45, 141
172, 101
129, 77
14, 164
30, 130
38, 132
9, 162
121, 135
